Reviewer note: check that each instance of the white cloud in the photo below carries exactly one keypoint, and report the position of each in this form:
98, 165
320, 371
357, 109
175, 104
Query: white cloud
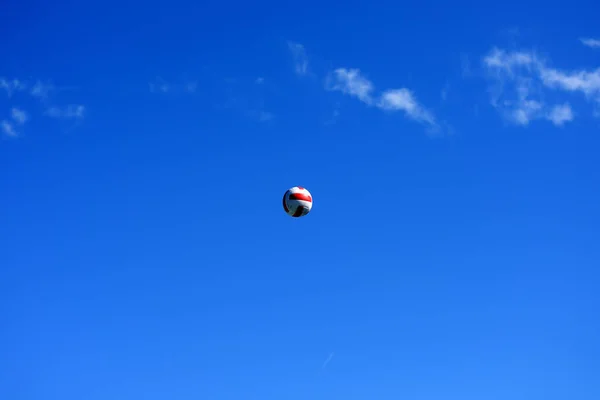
327, 360
264, 116
587, 82
246, 97
589, 42
404, 100
525, 111
300, 58
505, 61
444, 92
41, 90
34, 93
465, 66
71, 111
560, 114
162, 86
259, 115
7, 128
19, 115
191, 87
351, 82
10, 86
334, 115
522, 80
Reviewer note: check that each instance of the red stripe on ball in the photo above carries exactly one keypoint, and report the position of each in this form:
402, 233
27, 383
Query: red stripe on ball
300, 196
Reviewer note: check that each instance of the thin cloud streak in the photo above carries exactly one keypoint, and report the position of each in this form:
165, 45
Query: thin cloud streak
159, 85
327, 361
351, 82
300, 58
589, 42
71, 111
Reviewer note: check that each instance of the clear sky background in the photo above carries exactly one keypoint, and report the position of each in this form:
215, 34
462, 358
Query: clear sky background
451, 150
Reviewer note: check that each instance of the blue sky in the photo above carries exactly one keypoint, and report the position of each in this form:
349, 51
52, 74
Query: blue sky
451, 151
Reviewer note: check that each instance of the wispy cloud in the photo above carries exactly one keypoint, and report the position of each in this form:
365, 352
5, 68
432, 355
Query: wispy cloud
37, 89
353, 83
41, 90
300, 58
10, 86
589, 42
18, 115
327, 361
444, 92
466, 67
260, 115
32, 95
191, 87
247, 98
8, 129
334, 115
521, 80
76, 111
265, 116
586, 82
159, 85
560, 114
404, 100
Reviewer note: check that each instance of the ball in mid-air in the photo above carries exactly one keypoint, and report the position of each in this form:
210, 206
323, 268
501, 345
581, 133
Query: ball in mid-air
297, 202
